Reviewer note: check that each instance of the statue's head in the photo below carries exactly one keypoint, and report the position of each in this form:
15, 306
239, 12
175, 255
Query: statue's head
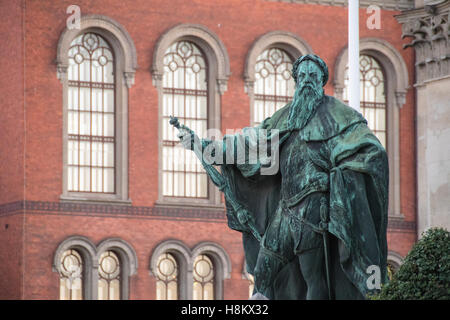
310, 74
310, 70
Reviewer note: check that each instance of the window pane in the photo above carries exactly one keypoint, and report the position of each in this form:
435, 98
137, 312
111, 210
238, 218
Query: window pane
274, 87
172, 291
109, 276
91, 118
203, 278
185, 97
161, 290
108, 180
167, 274
70, 283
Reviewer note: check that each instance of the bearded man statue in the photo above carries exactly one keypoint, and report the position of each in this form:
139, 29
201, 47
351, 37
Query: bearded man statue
315, 227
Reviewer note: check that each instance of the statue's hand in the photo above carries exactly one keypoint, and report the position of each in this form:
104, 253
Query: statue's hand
187, 137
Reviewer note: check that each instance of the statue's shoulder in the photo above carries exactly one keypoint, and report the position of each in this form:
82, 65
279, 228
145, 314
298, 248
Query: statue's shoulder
341, 112
277, 120
331, 118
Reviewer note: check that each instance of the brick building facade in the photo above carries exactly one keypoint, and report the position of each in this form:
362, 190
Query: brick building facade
41, 219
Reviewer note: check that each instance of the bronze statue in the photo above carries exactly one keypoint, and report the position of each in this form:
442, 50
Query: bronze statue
315, 227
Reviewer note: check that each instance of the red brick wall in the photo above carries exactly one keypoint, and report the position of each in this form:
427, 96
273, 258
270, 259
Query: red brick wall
12, 102
11, 145
237, 23
45, 232
11, 254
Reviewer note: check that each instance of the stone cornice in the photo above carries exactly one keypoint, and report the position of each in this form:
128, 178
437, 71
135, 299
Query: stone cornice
384, 4
111, 210
157, 212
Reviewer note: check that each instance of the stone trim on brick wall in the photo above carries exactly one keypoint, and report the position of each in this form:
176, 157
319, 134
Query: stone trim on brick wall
120, 211
384, 4
112, 210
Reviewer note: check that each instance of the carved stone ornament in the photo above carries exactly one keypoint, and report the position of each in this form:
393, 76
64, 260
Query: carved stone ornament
428, 29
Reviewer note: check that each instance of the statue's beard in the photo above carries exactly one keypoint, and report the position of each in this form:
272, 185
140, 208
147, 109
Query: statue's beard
304, 103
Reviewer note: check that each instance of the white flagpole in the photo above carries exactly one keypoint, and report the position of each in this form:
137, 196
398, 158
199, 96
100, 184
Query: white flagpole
353, 54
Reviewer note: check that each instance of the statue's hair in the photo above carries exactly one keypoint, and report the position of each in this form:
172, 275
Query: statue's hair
322, 65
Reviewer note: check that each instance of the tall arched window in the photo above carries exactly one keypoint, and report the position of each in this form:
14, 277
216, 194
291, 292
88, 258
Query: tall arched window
190, 70
185, 96
91, 115
203, 278
167, 274
96, 64
373, 97
274, 86
109, 276
71, 276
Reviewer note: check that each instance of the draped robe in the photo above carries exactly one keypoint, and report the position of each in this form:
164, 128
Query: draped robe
357, 183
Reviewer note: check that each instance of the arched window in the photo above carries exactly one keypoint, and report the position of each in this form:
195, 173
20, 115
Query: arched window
109, 276
190, 70
91, 115
167, 274
170, 263
185, 96
203, 278
274, 86
71, 276
182, 273
373, 96
103, 270
96, 64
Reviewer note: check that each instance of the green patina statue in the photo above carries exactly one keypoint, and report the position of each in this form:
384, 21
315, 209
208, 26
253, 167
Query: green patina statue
315, 226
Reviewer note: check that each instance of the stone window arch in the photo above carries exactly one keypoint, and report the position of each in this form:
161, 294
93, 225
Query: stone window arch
124, 65
84, 250
278, 50
182, 255
220, 261
117, 272
396, 86
217, 68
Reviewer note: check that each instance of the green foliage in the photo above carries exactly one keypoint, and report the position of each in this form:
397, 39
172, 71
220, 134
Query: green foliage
425, 273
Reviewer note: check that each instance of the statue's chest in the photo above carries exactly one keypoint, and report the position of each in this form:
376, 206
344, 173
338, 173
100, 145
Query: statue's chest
302, 163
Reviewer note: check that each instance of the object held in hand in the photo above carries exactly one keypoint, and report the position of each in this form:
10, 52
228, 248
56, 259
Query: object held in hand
186, 135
